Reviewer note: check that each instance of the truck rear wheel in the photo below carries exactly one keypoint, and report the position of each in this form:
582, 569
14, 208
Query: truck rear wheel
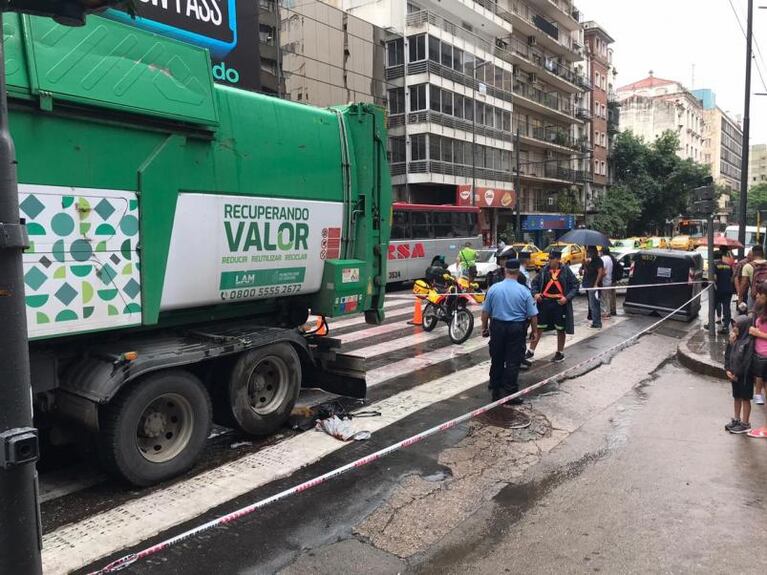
155, 430
264, 387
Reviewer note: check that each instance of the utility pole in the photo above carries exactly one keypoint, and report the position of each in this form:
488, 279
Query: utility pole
20, 538
743, 200
517, 187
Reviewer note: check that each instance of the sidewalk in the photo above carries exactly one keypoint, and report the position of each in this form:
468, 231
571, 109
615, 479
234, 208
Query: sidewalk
701, 354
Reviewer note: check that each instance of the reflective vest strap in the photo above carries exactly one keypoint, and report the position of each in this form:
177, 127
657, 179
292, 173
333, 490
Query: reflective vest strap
554, 283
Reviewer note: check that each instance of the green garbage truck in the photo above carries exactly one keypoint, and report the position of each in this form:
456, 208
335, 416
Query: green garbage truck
179, 235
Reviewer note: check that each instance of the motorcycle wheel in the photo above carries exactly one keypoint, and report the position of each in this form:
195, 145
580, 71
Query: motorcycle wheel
430, 317
461, 325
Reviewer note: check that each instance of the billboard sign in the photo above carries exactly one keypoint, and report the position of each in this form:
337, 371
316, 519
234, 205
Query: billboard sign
485, 197
218, 25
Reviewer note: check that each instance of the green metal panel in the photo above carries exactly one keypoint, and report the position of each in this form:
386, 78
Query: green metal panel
15, 60
263, 147
122, 68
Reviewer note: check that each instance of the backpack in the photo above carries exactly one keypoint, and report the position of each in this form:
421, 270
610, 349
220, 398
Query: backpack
760, 275
742, 353
617, 270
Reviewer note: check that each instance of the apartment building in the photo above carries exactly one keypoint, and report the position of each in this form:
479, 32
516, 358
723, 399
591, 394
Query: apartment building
464, 76
757, 165
598, 136
315, 53
722, 149
653, 105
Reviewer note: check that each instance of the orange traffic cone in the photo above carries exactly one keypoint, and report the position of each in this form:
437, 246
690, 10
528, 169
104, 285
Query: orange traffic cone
322, 326
417, 314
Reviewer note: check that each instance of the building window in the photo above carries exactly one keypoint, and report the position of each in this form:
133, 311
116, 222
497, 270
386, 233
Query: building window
417, 48
603, 168
417, 147
397, 101
596, 108
596, 78
457, 59
434, 49
397, 154
266, 34
603, 137
447, 102
468, 63
446, 50
269, 66
434, 142
267, 5
434, 98
395, 52
417, 97
458, 104
596, 166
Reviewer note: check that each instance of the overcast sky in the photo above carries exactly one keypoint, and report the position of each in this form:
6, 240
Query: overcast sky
671, 36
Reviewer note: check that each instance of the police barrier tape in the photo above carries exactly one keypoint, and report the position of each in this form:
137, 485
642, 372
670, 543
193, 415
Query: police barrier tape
580, 289
127, 560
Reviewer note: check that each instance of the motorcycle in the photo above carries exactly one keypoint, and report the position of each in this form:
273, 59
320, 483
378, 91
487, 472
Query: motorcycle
448, 303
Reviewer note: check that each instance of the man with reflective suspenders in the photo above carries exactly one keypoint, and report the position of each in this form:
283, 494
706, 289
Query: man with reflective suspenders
508, 307
554, 289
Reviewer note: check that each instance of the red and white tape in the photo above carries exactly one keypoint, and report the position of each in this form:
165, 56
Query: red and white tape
127, 560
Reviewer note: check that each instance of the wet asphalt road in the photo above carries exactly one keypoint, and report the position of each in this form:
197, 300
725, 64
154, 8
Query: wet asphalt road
314, 531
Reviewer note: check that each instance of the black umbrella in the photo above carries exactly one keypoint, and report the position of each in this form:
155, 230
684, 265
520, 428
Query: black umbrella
585, 238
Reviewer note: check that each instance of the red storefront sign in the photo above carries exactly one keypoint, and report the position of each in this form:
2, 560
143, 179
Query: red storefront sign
485, 197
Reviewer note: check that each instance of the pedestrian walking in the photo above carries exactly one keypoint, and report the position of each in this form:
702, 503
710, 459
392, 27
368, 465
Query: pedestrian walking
754, 272
723, 287
467, 261
738, 364
507, 309
554, 289
610, 307
592, 279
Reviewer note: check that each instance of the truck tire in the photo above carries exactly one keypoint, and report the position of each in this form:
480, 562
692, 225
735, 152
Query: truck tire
155, 429
264, 387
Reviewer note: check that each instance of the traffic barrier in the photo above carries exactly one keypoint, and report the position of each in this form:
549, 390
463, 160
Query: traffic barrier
127, 560
417, 313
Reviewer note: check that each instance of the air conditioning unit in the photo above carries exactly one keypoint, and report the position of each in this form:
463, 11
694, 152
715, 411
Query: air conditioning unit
532, 77
531, 41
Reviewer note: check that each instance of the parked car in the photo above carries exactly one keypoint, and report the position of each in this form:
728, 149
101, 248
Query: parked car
536, 254
656, 243
486, 263
571, 254
683, 243
625, 245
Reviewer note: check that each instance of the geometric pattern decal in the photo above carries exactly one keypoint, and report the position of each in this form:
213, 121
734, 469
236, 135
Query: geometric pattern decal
81, 270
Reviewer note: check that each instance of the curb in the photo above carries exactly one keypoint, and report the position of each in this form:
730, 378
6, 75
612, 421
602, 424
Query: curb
697, 362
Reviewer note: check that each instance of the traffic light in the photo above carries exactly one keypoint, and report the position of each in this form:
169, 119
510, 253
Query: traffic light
66, 12
704, 198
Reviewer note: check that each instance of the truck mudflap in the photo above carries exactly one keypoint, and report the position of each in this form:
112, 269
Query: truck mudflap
107, 368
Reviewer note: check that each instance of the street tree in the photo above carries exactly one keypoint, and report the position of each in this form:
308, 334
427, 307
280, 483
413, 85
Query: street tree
757, 200
616, 210
656, 177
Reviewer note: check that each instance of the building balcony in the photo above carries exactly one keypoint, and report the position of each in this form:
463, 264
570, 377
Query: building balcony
583, 113
551, 101
449, 169
545, 63
550, 172
563, 12
432, 117
551, 136
530, 22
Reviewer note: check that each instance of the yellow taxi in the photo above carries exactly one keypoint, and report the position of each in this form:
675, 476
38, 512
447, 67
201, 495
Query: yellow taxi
571, 253
683, 243
536, 254
656, 243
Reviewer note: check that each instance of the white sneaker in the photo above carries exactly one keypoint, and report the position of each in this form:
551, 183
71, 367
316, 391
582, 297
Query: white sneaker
759, 399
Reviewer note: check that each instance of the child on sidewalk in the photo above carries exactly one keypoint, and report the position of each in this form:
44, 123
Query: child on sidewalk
738, 363
759, 331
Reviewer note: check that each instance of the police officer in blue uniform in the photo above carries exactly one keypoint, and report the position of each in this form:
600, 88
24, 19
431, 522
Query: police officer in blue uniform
508, 308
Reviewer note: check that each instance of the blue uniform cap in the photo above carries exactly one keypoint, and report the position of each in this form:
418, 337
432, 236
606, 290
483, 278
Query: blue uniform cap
512, 264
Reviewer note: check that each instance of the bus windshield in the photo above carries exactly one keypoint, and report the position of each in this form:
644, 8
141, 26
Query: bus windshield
692, 228
751, 239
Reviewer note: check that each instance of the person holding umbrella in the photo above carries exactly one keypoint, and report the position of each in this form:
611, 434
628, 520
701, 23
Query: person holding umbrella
594, 267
